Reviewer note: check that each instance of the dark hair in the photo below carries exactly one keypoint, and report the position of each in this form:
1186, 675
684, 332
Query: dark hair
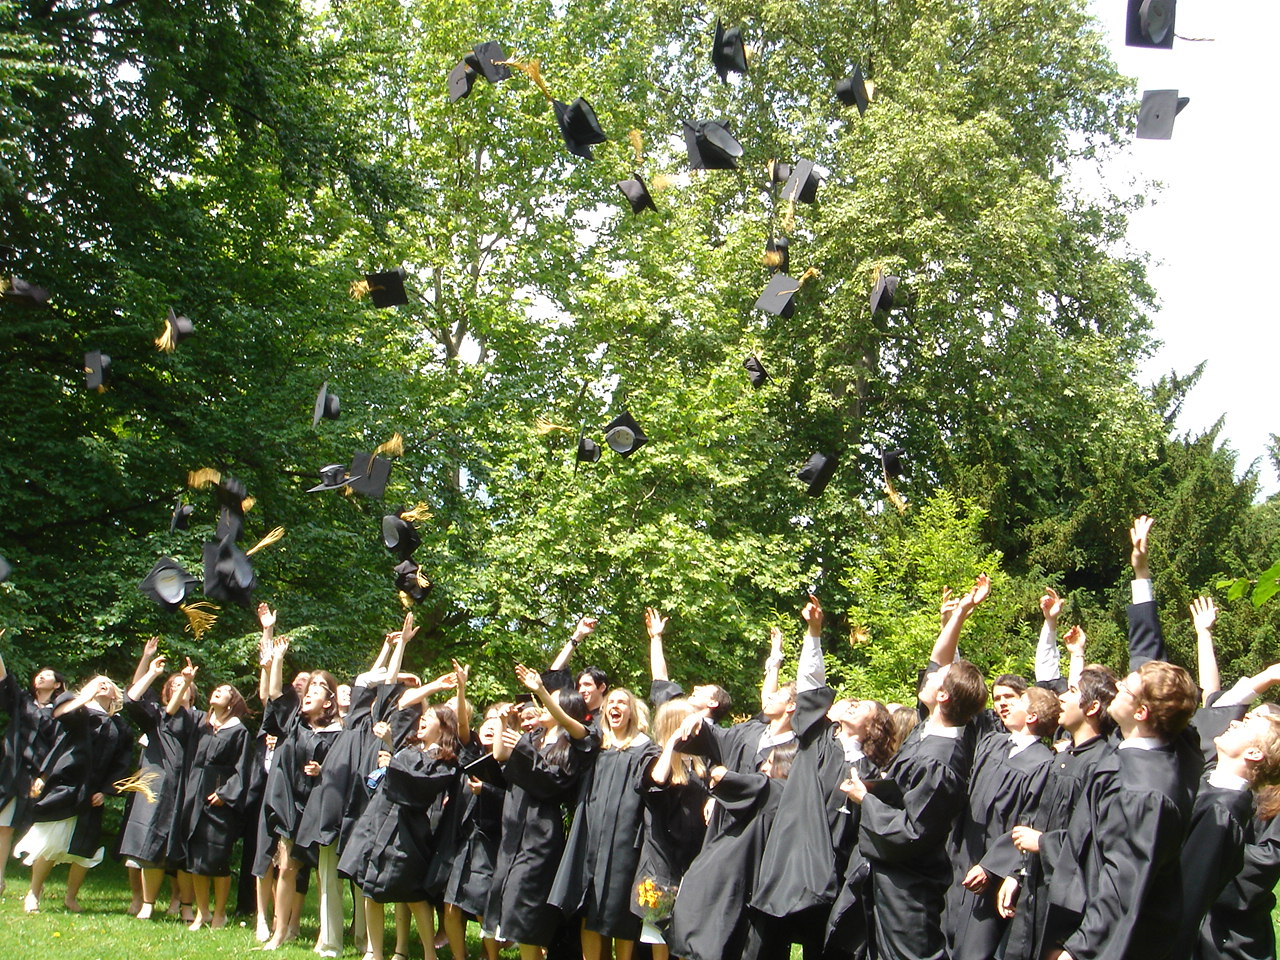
598, 677
880, 742
724, 703
1045, 706
1097, 684
331, 711
172, 681
61, 688
448, 720
571, 702
966, 693
1169, 696
237, 708
1011, 680
780, 759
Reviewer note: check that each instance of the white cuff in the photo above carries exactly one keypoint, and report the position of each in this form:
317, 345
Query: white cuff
1142, 591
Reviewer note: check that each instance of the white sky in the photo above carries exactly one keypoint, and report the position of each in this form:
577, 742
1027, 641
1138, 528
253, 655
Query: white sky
1212, 229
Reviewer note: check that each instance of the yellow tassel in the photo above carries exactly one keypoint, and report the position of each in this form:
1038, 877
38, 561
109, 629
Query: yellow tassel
661, 181
423, 580
894, 496
204, 477
858, 636
6, 284
272, 537
531, 69
199, 619
392, 448
637, 144
772, 258
419, 513
140, 782
102, 388
247, 504
871, 88
789, 221
359, 289
808, 275
406, 601
166, 342
545, 426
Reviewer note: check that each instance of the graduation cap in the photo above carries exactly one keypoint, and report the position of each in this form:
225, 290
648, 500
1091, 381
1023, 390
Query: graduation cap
1150, 23
486, 769
374, 472
578, 126
1156, 115
230, 524
802, 183
637, 194
176, 329
778, 295
228, 574
399, 535
489, 59
777, 254
17, 291
817, 472
385, 289
327, 405
588, 451
97, 370
181, 518
891, 461
852, 91
756, 372
334, 476
168, 584
728, 52
623, 435
412, 583
882, 293
711, 146
461, 79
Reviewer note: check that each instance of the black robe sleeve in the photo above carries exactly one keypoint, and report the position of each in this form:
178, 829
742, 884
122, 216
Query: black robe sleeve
1146, 641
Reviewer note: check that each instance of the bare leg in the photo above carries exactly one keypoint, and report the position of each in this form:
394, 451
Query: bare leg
221, 892
660, 951
296, 903
442, 937
402, 930
185, 895
623, 949
424, 915
490, 948
200, 888
375, 921
455, 927
357, 921
151, 877
592, 943
6, 844
285, 895
135, 888
529, 951
266, 888
39, 874
75, 877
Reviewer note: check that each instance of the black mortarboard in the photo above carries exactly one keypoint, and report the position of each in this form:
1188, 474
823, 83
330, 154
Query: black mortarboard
411, 581
228, 574
1150, 23
711, 146
181, 518
97, 370
777, 254
756, 372
386, 289
333, 476
623, 435
588, 450
882, 293
230, 524
817, 471
778, 295
370, 475
327, 405
400, 536
487, 770
461, 79
852, 91
802, 183
891, 461
578, 126
168, 584
728, 52
177, 327
230, 492
5, 569
637, 194
489, 59
17, 291
1156, 115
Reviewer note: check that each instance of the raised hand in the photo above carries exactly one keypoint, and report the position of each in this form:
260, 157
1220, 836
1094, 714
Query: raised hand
1203, 614
948, 606
150, 647
530, 678
812, 614
1051, 604
1075, 640
1139, 536
461, 672
688, 728
408, 631
980, 591
654, 622
189, 672
266, 616
586, 626
156, 667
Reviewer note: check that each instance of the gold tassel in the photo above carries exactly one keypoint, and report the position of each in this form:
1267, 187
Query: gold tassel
894, 496
808, 275
199, 619
871, 88
359, 289
392, 448
6, 284
531, 69
141, 783
423, 580
858, 636
247, 504
545, 426
166, 342
419, 513
772, 258
661, 181
406, 601
637, 144
204, 477
789, 221
272, 537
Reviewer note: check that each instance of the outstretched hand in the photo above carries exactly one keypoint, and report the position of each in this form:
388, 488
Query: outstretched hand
1203, 614
1139, 536
189, 672
266, 616
1075, 641
812, 614
408, 631
586, 626
948, 605
654, 622
530, 678
1051, 604
157, 666
150, 647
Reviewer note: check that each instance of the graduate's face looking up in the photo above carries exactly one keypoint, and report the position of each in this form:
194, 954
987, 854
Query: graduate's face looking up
704, 697
1072, 716
316, 699
221, 696
932, 684
344, 695
617, 711
490, 729
776, 704
1124, 709
1009, 706
300, 682
529, 715
45, 680
428, 729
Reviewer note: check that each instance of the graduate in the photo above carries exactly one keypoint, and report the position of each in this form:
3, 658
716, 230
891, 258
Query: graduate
711, 699
27, 740
595, 878
93, 751
543, 770
592, 683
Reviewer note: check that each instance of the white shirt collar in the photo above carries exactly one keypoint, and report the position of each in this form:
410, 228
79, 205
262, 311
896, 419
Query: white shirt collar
769, 740
1141, 743
1227, 781
934, 728
1020, 742
853, 751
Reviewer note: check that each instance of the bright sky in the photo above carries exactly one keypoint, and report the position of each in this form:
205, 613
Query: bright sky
1212, 230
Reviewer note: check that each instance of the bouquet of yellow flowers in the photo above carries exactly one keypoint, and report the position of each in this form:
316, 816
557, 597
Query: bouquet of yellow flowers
655, 899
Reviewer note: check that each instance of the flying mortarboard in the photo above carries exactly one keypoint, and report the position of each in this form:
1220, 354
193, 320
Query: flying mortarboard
756, 372
490, 60
1150, 23
623, 435
461, 79
817, 472
891, 461
181, 518
168, 584
228, 574
711, 146
1157, 113
777, 254
176, 329
637, 194
802, 183
728, 52
97, 370
399, 535
852, 91
778, 295
588, 451
411, 582
385, 289
328, 406
882, 293
334, 476
17, 291
578, 126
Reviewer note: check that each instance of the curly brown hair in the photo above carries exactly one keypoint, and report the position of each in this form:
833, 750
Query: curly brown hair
1169, 695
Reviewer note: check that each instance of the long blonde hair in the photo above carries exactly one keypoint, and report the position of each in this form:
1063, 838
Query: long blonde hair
666, 721
117, 698
637, 722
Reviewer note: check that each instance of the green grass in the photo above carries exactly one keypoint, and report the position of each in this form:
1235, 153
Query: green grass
104, 931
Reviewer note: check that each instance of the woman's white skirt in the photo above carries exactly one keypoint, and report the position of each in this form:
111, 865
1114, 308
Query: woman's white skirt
52, 841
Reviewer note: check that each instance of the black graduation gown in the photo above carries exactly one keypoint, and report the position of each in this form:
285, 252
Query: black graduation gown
709, 920
391, 845
1239, 925
91, 752
150, 832
533, 839
288, 786
222, 763
596, 873
1004, 792
896, 883
27, 740
673, 833
467, 841
1212, 854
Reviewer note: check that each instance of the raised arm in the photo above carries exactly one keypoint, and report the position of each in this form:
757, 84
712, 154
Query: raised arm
944, 648
655, 623
407, 632
1203, 617
1075, 641
267, 619
90, 691
811, 671
180, 688
416, 695
533, 680
148, 655
461, 672
1048, 665
771, 667
583, 630
143, 683
275, 673
1146, 641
